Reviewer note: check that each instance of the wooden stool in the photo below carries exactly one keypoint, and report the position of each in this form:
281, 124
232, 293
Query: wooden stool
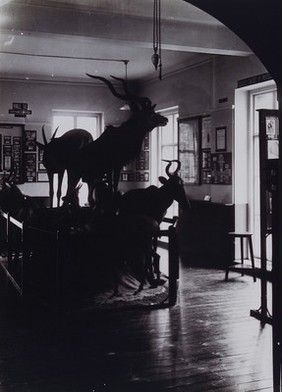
242, 236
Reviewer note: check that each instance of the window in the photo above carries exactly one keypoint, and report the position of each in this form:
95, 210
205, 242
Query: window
67, 120
264, 99
246, 156
164, 142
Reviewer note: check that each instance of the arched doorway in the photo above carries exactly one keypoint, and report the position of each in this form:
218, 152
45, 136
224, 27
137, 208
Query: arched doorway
258, 24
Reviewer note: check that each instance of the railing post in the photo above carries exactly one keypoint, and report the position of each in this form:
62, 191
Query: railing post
173, 265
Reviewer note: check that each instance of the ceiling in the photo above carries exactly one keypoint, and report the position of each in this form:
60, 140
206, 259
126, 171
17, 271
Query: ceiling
62, 40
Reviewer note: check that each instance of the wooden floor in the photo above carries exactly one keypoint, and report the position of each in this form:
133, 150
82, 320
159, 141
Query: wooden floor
207, 342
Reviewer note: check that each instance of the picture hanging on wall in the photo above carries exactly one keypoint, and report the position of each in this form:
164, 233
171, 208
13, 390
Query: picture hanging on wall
221, 173
40, 167
30, 166
11, 149
206, 132
42, 177
7, 157
220, 139
188, 149
30, 141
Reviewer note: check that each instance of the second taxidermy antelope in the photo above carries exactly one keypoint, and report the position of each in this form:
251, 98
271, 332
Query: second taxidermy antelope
58, 153
116, 146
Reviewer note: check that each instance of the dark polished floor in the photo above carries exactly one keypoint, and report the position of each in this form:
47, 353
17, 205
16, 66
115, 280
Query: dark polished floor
207, 342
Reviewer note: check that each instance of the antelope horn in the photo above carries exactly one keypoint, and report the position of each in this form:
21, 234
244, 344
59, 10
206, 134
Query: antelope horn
169, 164
79, 186
144, 101
131, 99
54, 134
124, 84
111, 87
44, 136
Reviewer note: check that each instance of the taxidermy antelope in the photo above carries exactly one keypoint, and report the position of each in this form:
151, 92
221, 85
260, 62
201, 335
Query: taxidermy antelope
154, 201
147, 208
59, 152
117, 146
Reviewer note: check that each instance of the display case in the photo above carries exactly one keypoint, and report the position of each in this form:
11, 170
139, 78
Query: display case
203, 234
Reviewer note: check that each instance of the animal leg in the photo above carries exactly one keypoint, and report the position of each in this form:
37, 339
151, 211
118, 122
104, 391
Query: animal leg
51, 187
59, 190
90, 199
71, 195
116, 179
143, 264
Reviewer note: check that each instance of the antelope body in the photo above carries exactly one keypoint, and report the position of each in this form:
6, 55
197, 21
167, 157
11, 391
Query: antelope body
116, 146
59, 152
141, 212
154, 201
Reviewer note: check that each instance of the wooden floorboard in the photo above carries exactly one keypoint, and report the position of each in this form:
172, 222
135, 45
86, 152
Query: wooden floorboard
207, 342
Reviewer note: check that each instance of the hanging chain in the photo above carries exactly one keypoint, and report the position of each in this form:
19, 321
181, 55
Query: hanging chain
155, 28
159, 39
156, 57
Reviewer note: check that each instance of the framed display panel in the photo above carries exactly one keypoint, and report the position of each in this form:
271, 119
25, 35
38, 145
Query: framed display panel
189, 149
11, 140
220, 139
138, 169
206, 163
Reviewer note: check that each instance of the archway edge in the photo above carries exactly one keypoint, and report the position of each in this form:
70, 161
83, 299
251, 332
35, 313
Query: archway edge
256, 22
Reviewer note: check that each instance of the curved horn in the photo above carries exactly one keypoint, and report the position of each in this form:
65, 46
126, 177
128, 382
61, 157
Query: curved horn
144, 101
131, 99
54, 134
169, 164
111, 87
124, 84
43, 135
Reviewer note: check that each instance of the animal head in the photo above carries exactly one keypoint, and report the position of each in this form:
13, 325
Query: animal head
140, 107
174, 185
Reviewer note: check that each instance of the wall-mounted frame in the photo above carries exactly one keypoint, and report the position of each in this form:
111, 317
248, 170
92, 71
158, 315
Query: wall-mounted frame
42, 177
40, 166
11, 136
29, 166
220, 139
189, 149
29, 142
206, 132
272, 136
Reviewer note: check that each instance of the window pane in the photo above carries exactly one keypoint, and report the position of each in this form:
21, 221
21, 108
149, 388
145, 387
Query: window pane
88, 123
175, 128
168, 152
65, 123
167, 132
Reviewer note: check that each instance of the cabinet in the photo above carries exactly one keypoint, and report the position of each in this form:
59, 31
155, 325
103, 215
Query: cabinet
203, 234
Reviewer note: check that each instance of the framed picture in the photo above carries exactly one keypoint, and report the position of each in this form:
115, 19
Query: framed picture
272, 136
206, 132
30, 141
42, 177
220, 139
189, 149
40, 166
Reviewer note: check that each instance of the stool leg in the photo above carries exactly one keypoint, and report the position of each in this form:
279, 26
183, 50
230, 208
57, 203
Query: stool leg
230, 257
242, 251
252, 256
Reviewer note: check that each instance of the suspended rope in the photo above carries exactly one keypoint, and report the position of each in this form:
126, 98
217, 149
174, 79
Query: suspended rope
157, 56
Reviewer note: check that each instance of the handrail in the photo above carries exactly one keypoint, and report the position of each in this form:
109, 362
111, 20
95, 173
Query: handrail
11, 219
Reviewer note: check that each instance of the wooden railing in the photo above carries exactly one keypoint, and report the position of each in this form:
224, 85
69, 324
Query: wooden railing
29, 237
